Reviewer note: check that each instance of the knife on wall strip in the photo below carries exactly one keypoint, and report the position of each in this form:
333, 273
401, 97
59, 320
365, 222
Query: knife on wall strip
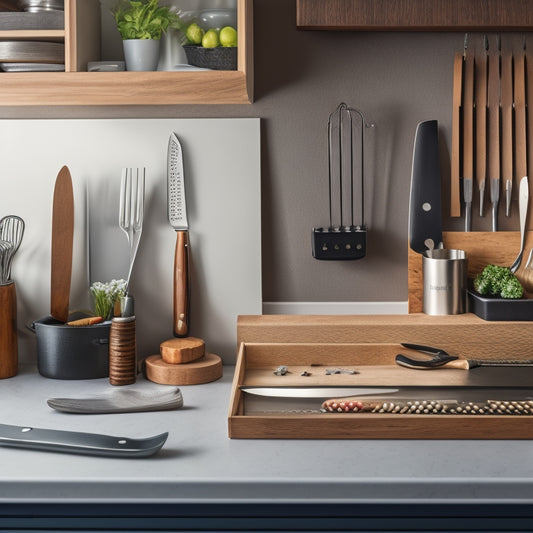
177, 216
507, 126
529, 116
79, 443
425, 210
62, 245
455, 189
468, 136
520, 115
480, 90
494, 130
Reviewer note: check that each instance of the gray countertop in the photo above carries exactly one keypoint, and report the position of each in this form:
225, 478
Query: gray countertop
200, 463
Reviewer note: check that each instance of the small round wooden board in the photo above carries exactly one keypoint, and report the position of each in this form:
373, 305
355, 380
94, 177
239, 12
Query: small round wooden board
185, 350
204, 370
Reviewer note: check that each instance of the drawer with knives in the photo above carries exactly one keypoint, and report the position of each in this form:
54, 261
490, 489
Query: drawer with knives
386, 376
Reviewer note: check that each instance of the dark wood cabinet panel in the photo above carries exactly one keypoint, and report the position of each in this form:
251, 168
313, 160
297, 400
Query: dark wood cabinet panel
415, 15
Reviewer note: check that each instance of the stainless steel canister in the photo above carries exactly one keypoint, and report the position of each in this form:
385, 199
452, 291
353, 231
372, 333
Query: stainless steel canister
445, 279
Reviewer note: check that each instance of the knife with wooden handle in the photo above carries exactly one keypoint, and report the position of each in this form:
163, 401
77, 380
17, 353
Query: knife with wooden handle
480, 75
62, 245
494, 130
468, 136
177, 216
520, 116
507, 126
455, 188
529, 115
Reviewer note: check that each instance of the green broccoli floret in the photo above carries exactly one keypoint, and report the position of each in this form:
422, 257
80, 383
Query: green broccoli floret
512, 288
498, 281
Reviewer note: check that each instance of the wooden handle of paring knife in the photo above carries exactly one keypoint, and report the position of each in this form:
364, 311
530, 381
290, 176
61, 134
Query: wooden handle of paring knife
181, 284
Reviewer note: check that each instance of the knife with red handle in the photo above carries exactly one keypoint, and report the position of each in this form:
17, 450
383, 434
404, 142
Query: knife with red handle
177, 216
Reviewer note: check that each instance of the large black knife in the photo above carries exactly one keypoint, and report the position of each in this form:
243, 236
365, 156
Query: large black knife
425, 210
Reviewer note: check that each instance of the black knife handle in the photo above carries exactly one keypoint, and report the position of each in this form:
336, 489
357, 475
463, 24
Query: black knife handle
79, 443
181, 285
425, 211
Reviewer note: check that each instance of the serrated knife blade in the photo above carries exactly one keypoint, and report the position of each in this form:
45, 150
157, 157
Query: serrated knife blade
177, 206
177, 216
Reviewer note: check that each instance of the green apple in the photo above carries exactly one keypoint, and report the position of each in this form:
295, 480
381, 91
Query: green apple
228, 36
210, 39
194, 33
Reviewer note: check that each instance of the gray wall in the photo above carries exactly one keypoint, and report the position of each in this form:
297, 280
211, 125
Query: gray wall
397, 79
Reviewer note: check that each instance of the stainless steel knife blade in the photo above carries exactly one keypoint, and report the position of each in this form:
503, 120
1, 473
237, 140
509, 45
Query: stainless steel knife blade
79, 443
177, 207
316, 392
177, 216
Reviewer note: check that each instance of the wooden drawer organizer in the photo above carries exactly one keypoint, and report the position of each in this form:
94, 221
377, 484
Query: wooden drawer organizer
369, 344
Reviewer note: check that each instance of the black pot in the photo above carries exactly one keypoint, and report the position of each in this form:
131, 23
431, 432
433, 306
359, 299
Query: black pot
72, 352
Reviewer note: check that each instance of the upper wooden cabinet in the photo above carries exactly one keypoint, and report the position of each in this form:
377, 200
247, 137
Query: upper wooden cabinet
415, 15
76, 86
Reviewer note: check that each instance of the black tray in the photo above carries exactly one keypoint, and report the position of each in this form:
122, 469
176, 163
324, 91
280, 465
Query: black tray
500, 309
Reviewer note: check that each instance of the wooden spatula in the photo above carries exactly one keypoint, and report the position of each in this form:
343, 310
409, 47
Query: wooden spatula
62, 244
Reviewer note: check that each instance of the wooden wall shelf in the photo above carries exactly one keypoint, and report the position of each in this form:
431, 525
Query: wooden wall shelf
76, 86
415, 15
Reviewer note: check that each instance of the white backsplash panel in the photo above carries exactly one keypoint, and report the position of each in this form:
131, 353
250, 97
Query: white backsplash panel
222, 177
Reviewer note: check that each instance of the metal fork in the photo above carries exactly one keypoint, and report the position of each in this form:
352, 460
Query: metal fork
131, 211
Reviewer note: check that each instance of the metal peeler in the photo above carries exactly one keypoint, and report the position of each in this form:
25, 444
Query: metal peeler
442, 359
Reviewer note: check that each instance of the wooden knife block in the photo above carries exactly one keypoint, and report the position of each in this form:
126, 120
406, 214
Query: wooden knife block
482, 248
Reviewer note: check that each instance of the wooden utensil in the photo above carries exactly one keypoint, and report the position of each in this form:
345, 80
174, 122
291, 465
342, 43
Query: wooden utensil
455, 190
62, 245
8, 331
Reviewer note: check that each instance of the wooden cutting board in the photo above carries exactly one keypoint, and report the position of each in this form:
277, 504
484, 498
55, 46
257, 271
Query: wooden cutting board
204, 370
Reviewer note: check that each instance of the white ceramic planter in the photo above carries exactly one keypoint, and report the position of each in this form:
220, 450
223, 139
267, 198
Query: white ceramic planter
141, 54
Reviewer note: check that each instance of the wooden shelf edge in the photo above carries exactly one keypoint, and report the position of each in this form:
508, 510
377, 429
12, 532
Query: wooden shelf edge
414, 15
123, 88
32, 35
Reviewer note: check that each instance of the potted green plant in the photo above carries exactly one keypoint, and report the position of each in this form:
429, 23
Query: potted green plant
141, 23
